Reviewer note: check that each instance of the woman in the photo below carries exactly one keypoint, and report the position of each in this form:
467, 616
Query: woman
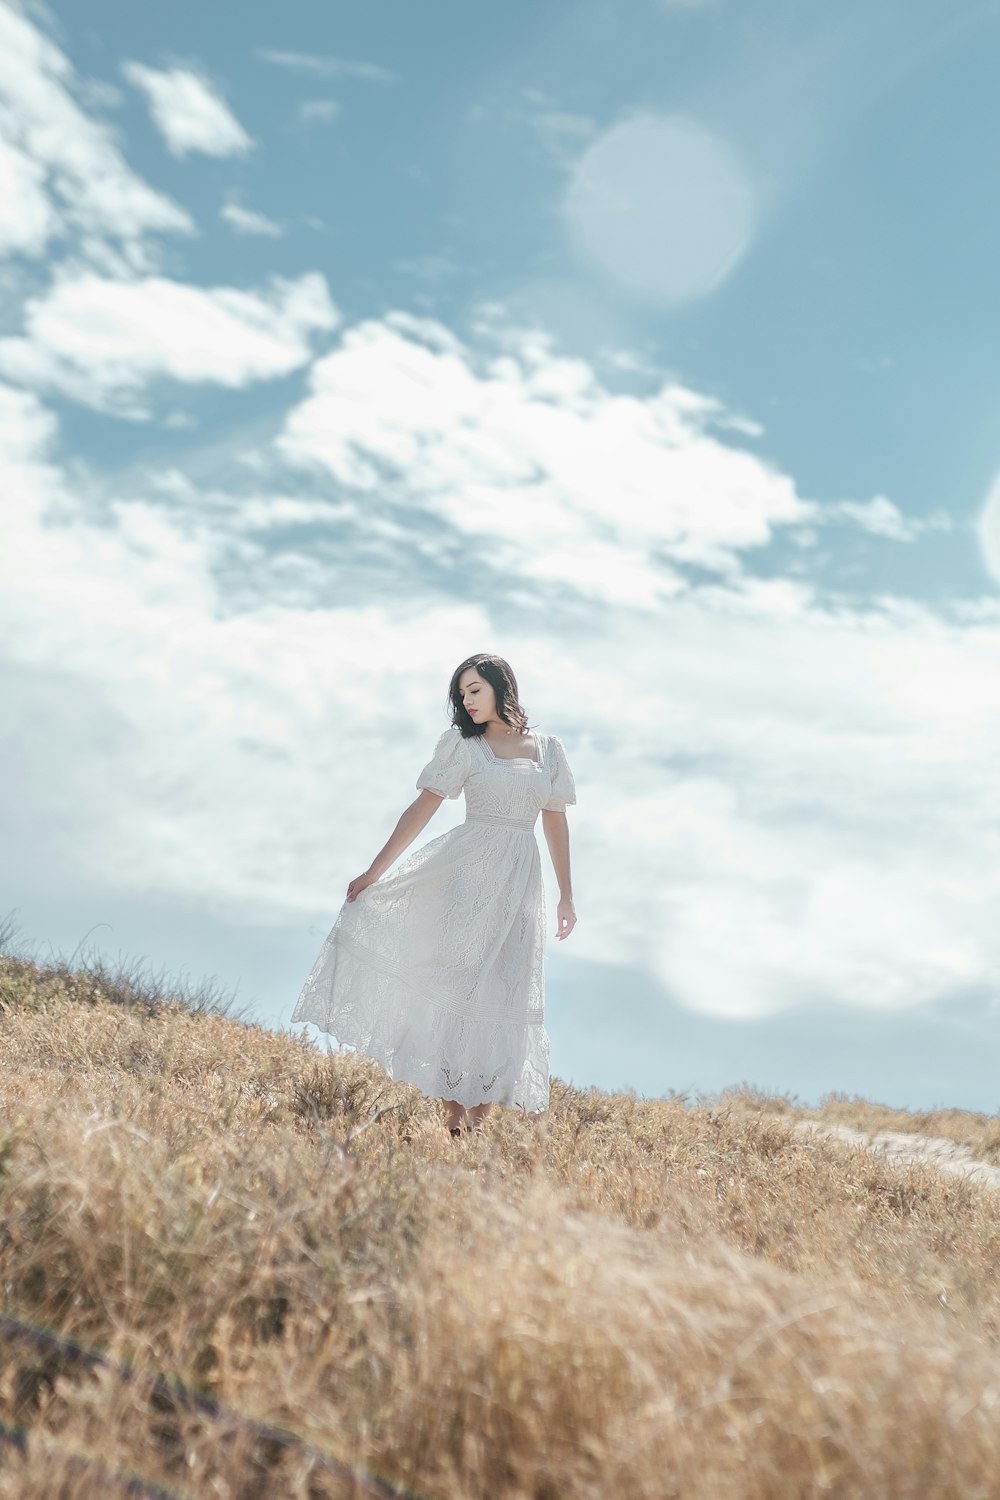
436, 970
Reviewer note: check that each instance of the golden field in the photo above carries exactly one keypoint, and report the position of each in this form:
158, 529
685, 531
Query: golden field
235, 1266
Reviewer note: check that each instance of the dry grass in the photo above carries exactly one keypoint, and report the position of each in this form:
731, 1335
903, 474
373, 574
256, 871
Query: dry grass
619, 1298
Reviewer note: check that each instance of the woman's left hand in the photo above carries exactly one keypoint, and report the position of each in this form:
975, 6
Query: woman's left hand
565, 917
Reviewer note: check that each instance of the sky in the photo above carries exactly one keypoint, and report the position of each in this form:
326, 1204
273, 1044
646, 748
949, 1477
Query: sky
649, 344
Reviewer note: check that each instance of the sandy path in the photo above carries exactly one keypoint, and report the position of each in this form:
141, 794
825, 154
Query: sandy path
895, 1145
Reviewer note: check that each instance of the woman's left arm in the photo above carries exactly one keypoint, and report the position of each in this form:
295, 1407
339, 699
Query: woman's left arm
555, 826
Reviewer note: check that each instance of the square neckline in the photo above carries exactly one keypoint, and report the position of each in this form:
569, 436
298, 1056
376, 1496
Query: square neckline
532, 760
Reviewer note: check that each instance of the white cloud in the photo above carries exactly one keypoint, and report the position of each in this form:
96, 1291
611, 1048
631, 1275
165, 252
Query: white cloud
816, 729
562, 132
101, 342
528, 449
432, 270
783, 800
882, 517
61, 173
29, 216
188, 111
26, 433
324, 66
186, 714
246, 221
818, 783
318, 111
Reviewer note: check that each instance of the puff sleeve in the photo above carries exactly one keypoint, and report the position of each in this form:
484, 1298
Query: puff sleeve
562, 789
447, 769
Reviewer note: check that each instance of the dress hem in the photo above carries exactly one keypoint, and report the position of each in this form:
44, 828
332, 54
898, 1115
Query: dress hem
416, 1074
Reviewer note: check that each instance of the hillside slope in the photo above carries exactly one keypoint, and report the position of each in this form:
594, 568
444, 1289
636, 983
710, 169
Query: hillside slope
233, 1266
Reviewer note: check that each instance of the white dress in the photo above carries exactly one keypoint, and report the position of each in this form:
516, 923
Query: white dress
436, 970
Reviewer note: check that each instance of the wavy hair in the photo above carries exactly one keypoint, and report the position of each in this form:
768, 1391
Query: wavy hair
497, 672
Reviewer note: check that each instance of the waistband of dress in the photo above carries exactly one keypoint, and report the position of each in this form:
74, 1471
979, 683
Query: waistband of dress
527, 824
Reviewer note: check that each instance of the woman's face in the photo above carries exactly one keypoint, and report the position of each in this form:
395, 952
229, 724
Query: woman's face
478, 697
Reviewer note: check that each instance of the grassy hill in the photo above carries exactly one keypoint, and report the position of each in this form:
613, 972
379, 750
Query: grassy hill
233, 1266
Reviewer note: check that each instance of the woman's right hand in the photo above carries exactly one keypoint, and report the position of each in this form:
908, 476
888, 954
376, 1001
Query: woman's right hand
360, 883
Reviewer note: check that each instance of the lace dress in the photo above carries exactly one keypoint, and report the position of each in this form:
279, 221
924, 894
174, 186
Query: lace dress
436, 970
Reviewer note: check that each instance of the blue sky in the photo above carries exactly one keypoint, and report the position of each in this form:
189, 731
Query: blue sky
651, 344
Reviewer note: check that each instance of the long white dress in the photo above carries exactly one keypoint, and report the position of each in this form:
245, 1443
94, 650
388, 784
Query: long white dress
436, 970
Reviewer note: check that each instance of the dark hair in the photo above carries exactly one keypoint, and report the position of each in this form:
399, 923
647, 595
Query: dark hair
497, 672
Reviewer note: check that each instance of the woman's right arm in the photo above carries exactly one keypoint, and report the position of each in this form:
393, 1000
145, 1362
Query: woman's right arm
411, 820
